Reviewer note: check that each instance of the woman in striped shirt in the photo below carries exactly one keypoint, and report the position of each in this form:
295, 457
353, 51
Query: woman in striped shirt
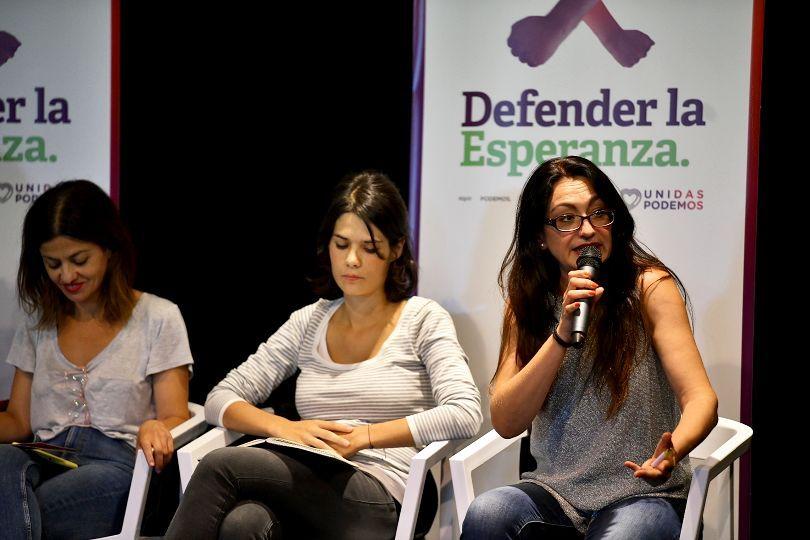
381, 373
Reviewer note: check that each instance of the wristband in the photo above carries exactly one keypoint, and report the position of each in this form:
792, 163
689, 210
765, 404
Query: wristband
560, 340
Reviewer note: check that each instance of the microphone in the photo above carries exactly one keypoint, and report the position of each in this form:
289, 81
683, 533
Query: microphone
589, 259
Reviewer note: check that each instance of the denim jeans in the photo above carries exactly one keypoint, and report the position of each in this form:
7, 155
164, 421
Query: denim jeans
262, 492
526, 510
43, 501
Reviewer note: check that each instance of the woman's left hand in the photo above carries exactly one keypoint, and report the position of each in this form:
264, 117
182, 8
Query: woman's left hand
661, 472
358, 440
157, 444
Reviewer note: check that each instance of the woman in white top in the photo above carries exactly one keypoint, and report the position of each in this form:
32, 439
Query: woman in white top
381, 372
100, 368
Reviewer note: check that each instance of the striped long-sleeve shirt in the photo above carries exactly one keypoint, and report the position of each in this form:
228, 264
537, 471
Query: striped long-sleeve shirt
420, 374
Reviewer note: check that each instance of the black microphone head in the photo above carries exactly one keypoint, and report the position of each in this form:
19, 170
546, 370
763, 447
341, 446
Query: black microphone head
589, 256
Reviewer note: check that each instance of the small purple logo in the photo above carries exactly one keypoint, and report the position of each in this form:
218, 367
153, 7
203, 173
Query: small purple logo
664, 198
8, 46
535, 39
6, 190
631, 197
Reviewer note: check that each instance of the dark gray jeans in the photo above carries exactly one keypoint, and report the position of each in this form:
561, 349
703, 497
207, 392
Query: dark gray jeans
262, 492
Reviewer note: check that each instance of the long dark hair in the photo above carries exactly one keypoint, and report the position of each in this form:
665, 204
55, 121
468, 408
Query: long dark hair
530, 281
374, 199
81, 210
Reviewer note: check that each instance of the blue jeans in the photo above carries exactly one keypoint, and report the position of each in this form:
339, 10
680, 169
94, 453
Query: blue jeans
526, 510
43, 501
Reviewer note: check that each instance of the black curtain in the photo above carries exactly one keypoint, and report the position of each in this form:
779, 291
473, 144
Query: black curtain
236, 124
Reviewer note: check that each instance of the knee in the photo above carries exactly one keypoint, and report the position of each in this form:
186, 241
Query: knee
217, 462
490, 515
644, 517
249, 520
13, 462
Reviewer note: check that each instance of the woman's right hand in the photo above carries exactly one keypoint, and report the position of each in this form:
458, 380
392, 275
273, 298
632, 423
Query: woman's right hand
580, 287
315, 433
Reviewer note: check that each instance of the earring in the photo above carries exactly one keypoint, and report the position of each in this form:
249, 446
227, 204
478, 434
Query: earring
542, 245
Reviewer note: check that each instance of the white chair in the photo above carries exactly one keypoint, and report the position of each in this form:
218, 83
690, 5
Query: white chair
728, 441
141, 474
429, 458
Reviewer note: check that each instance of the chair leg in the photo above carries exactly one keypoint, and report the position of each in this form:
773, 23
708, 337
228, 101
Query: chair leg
732, 519
447, 503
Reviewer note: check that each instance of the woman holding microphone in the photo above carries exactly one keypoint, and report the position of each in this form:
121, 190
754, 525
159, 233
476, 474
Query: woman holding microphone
613, 418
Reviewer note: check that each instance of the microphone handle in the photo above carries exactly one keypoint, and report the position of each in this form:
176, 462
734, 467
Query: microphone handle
582, 315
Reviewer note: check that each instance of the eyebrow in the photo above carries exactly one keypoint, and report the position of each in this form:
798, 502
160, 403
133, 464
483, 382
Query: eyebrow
364, 241
69, 256
595, 198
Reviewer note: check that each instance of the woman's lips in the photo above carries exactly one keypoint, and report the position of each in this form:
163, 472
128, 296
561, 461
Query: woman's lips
352, 278
73, 288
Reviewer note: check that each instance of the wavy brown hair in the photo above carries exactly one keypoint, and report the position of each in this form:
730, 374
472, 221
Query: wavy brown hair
78, 209
530, 281
374, 199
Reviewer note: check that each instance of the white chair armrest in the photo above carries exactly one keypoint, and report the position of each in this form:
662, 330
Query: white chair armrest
191, 428
420, 465
728, 441
142, 473
737, 437
468, 459
190, 455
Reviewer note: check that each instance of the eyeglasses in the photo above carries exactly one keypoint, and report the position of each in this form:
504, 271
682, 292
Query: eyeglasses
572, 222
78, 409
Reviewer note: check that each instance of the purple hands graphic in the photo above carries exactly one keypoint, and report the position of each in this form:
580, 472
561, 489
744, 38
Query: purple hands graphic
8, 46
535, 39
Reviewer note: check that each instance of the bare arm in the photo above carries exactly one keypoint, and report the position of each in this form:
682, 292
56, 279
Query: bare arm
675, 345
171, 396
517, 394
170, 391
15, 422
673, 341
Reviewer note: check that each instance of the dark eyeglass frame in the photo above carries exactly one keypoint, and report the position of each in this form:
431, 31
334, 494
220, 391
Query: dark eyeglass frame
552, 222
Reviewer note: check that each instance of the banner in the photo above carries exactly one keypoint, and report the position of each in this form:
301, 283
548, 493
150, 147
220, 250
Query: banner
657, 94
56, 119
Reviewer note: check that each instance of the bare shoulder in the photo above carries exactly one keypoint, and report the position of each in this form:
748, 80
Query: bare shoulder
659, 284
662, 297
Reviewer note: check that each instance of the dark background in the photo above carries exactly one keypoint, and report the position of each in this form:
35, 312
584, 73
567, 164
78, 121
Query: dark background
236, 125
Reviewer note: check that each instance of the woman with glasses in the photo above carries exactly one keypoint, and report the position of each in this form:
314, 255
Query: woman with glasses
381, 373
101, 368
612, 417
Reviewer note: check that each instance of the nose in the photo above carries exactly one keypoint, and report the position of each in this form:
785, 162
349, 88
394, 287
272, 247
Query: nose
586, 230
352, 258
67, 272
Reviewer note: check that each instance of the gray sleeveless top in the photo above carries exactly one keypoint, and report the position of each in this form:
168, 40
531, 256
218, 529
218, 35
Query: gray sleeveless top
580, 454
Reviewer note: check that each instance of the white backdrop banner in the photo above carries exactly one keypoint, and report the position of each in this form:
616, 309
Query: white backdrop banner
655, 93
56, 73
